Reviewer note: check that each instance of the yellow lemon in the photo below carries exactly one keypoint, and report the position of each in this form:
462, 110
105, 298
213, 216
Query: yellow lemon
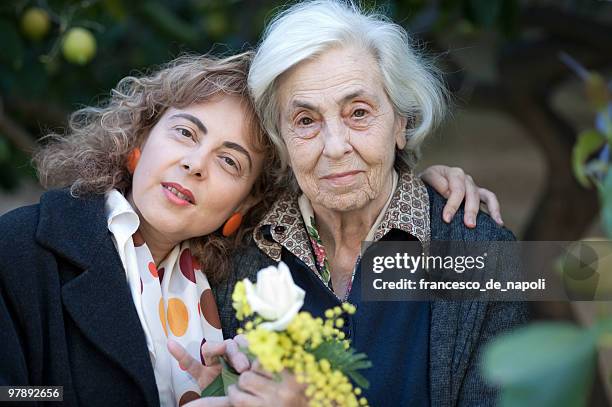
35, 23
79, 46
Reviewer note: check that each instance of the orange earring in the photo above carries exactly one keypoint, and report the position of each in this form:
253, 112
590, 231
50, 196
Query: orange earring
132, 160
232, 224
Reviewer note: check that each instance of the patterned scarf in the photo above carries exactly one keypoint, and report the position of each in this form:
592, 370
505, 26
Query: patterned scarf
173, 300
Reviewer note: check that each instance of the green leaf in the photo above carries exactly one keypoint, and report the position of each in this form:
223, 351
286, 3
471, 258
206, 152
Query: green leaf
215, 389
229, 375
606, 203
545, 364
597, 90
344, 360
219, 386
589, 141
596, 171
602, 327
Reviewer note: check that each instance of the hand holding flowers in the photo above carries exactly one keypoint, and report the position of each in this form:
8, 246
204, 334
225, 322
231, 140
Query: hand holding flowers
298, 359
283, 339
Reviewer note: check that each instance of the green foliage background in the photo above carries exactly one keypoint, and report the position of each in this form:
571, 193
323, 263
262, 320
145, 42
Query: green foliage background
39, 87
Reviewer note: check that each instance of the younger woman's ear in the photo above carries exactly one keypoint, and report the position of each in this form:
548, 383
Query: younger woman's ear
248, 203
400, 132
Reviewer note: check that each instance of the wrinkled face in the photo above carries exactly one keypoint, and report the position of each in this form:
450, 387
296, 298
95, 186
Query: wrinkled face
197, 167
340, 128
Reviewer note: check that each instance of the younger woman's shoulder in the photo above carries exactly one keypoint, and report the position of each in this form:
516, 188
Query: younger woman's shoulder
18, 226
18, 247
18, 222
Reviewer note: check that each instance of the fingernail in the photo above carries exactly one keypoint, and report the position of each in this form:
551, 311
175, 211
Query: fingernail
446, 217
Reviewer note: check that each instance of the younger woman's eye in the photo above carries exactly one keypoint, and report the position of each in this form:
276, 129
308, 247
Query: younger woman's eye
185, 132
229, 161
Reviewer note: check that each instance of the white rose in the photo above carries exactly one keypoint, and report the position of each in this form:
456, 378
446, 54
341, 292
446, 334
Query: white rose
275, 297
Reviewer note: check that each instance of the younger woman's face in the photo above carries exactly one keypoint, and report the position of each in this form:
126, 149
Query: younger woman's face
197, 167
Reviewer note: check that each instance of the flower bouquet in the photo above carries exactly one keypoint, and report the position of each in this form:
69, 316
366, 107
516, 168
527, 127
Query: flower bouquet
281, 337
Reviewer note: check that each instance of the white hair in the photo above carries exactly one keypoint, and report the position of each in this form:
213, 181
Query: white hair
307, 29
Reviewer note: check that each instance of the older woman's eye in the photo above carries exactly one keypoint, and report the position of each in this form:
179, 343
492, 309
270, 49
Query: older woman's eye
305, 121
359, 113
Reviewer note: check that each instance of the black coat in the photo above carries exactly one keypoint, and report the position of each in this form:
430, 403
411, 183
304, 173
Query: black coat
66, 313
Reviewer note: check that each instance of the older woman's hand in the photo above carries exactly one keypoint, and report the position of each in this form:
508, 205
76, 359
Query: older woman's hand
455, 185
258, 388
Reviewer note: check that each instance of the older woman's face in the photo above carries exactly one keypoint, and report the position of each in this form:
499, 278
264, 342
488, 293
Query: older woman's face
340, 128
197, 167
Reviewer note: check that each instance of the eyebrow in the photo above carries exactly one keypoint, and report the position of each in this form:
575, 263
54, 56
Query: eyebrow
301, 104
306, 105
357, 94
240, 149
192, 119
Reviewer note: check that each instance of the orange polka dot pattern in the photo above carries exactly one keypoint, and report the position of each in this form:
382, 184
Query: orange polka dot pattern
177, 303
173, 300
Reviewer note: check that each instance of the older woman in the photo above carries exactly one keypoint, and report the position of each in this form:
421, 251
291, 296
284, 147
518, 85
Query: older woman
348, 102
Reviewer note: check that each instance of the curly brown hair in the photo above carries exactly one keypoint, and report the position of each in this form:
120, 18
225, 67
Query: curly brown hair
91, 157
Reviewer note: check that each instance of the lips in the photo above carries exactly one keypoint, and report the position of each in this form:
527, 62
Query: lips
340, 175
179, 191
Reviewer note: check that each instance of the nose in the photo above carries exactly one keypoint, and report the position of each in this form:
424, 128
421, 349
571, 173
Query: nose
194, 163
337, 136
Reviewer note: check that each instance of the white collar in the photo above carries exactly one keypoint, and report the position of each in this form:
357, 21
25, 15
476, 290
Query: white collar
121, 218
